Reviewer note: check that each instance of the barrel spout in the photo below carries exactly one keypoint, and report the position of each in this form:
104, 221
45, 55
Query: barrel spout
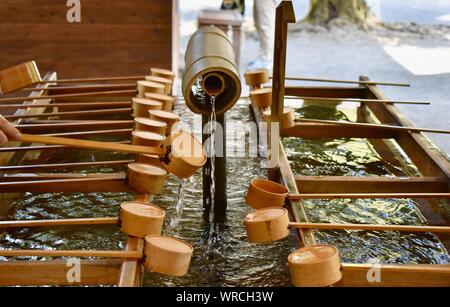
210, 71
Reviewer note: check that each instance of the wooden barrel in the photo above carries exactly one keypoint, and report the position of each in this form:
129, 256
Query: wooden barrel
287, 119
210, 58
166, 100
186, 154
140, 219
263, 193
164, 81
166, 255
149, 87
145, 138
315, 266
261, 98
168, 117
146, 178
150, 125
267, 225
141, 106
257, 77
164, 73
150, 159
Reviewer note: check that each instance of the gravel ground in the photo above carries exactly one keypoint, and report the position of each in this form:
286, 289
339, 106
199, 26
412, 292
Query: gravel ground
400, 51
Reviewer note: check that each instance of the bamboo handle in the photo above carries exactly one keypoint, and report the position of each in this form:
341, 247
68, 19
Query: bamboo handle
80, 80
346, 81
60, 222
388, 127
414, 102
407, 228
136, 149
71, 253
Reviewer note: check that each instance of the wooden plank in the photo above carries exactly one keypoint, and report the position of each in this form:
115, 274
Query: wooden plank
318, 131
131, 272
411, 275
54, 125
134, 12
373, 184
59, 222
284, 16
60, 90
306, 235
68, 105
93, 272
75, 114
82, 185
418, 148
21, 168
140, 32
126, 93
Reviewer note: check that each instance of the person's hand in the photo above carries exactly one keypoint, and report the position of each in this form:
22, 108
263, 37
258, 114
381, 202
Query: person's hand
7, 132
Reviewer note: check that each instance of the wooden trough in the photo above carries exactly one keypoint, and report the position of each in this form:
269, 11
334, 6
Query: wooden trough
70, 111
434, 181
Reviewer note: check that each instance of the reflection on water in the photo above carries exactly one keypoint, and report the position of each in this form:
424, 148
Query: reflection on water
234, 261
356, 157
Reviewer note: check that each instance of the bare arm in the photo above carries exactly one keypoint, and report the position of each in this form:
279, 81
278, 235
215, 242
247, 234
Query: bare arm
7, 132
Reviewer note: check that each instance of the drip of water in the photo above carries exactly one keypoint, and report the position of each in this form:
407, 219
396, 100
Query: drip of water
212, 192
175, 220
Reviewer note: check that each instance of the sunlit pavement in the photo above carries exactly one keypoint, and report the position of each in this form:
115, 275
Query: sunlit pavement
423, 62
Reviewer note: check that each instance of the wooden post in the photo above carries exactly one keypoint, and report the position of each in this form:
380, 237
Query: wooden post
284, 15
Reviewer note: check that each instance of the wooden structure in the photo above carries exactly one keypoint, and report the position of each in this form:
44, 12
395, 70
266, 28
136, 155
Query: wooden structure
72, 111
434, 167
114, 38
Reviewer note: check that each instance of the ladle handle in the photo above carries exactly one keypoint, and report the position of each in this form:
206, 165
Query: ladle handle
136, 149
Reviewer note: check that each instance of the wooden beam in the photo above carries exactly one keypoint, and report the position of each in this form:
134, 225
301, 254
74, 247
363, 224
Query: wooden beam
331, 99
74, 113
428, 159
368, 195
318, 131
44, 126
411, 275
127, 93
284, 16
82, 185
21, 168
93, 272
59, 222
372, 184
375, 126
297, 208
52, 90
131, 272
370, 227
131, 269
68, 105
50, 176
346, 81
